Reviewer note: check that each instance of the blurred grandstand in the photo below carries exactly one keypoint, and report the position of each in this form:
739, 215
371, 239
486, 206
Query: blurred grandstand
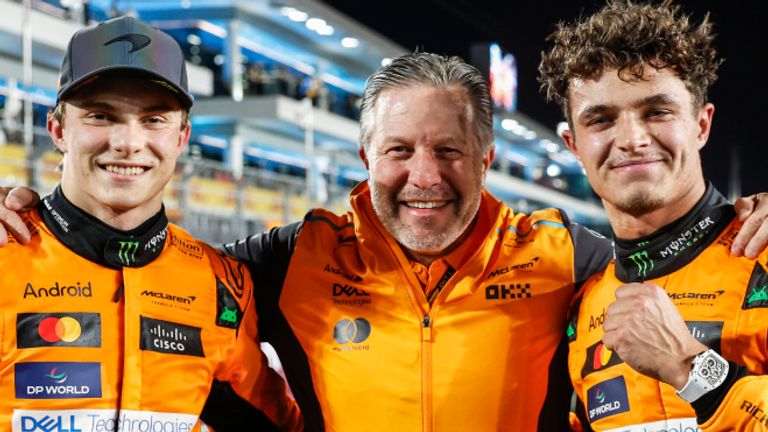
277, 86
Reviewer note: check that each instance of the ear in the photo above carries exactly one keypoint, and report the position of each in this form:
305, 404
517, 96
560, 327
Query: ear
705, 124
183, 139
363, 157
570, 140
56, 132
488, 157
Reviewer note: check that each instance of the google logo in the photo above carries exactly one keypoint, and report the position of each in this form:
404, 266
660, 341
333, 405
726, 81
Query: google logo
53, 329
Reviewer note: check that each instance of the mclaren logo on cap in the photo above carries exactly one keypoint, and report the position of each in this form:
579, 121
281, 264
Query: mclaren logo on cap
138, 41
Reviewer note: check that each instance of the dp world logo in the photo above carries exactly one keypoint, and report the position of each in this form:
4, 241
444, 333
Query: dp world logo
348, 330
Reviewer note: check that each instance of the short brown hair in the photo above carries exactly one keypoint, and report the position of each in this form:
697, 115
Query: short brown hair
626, 36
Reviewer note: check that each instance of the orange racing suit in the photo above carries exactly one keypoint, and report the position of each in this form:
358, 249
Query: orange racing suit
100, 330
363, 349
723, 301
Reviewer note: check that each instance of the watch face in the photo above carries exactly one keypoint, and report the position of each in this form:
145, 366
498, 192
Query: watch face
711, 369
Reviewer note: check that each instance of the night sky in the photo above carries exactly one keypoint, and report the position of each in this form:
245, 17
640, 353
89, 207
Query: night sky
451, 26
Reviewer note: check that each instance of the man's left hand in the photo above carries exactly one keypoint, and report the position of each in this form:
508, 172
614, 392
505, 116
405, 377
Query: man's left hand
645, 329
753, 235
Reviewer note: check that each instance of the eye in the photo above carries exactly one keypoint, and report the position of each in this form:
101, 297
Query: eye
98, 118
398, 150
598, 121
449, 152
657, 113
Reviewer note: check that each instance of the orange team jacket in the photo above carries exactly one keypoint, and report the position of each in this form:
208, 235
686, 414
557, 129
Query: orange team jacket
104, 331
723, 300
364, 351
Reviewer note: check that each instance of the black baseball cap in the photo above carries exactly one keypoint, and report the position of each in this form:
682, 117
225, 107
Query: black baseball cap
124, 45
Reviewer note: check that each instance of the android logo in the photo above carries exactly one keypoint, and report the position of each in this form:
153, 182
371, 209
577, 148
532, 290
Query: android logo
229, 315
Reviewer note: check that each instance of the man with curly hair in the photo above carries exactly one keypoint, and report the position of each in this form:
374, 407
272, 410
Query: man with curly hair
658, 341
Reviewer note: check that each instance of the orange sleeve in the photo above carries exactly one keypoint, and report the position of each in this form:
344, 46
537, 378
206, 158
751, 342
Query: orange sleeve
744, 408
246, 391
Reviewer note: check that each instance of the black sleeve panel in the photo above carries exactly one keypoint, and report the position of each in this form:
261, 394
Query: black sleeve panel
553, 416
706, 405
225, 411
591, 251
268, 256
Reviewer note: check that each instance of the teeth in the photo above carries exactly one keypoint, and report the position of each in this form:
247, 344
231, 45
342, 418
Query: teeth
120, 170
425, 205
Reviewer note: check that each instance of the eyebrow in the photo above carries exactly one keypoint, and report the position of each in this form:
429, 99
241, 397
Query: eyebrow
657, 99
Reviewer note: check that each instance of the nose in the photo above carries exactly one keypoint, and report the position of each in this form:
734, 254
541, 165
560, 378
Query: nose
631, 133
424, 169
128, 138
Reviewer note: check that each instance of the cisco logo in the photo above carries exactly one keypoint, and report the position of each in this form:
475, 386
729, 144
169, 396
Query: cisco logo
170, 338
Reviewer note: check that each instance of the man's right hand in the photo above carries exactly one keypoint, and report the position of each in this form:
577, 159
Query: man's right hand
12, 202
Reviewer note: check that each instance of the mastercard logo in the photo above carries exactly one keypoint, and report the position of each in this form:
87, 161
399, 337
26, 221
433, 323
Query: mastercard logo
602, 357
55, 329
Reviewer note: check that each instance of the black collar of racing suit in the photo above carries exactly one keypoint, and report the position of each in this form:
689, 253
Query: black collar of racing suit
94, 240
677, 244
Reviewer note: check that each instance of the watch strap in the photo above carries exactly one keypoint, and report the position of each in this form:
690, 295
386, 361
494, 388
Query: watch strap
708, 372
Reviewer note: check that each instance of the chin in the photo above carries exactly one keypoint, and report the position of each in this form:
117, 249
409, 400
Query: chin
640, 202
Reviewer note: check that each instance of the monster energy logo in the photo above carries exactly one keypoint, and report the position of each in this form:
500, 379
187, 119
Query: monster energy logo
643, 262
127, 253
758, 295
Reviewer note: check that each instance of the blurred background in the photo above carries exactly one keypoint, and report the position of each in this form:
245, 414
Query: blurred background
278, 85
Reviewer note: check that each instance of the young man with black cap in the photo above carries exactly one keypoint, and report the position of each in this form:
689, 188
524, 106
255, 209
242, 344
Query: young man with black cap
100, 330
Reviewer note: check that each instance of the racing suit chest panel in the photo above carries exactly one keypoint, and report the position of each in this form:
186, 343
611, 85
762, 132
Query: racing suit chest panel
347, 300
161, 324
711, 304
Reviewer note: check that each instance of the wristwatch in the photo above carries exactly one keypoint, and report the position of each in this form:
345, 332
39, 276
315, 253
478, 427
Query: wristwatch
709, 372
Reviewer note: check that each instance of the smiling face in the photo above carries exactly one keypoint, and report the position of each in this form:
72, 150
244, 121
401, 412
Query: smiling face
121, 138
639, 140
426, 167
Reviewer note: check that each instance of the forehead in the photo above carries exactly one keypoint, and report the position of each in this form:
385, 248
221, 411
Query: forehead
610, 89
425, 102
125, 92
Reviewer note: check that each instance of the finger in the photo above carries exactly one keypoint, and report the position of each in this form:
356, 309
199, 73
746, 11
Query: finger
14, 225
635, 289
758, 242
21, 198
745, 206
3, 236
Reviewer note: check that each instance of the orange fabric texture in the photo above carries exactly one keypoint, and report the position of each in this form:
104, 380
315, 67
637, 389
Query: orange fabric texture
713, 295
144, 355
477, 359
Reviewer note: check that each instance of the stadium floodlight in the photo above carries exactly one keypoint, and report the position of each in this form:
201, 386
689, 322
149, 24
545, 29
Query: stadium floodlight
350, 42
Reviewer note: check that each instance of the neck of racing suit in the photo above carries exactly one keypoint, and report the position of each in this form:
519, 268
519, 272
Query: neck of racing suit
676, 244
98, 242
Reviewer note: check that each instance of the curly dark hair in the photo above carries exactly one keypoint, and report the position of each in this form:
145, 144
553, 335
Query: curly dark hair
626, 36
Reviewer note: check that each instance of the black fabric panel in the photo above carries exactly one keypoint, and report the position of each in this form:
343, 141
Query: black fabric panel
226, 411
268, 255
553, 416
591, 251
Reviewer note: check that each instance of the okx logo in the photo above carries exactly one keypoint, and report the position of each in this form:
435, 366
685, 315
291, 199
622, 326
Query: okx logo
598, 358
348, 330
170, 338
127, 252
59, 380
73, 329
607, 399
643, 262
757, 289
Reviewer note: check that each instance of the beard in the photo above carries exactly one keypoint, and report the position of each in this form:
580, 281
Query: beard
639, 203
426, 234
